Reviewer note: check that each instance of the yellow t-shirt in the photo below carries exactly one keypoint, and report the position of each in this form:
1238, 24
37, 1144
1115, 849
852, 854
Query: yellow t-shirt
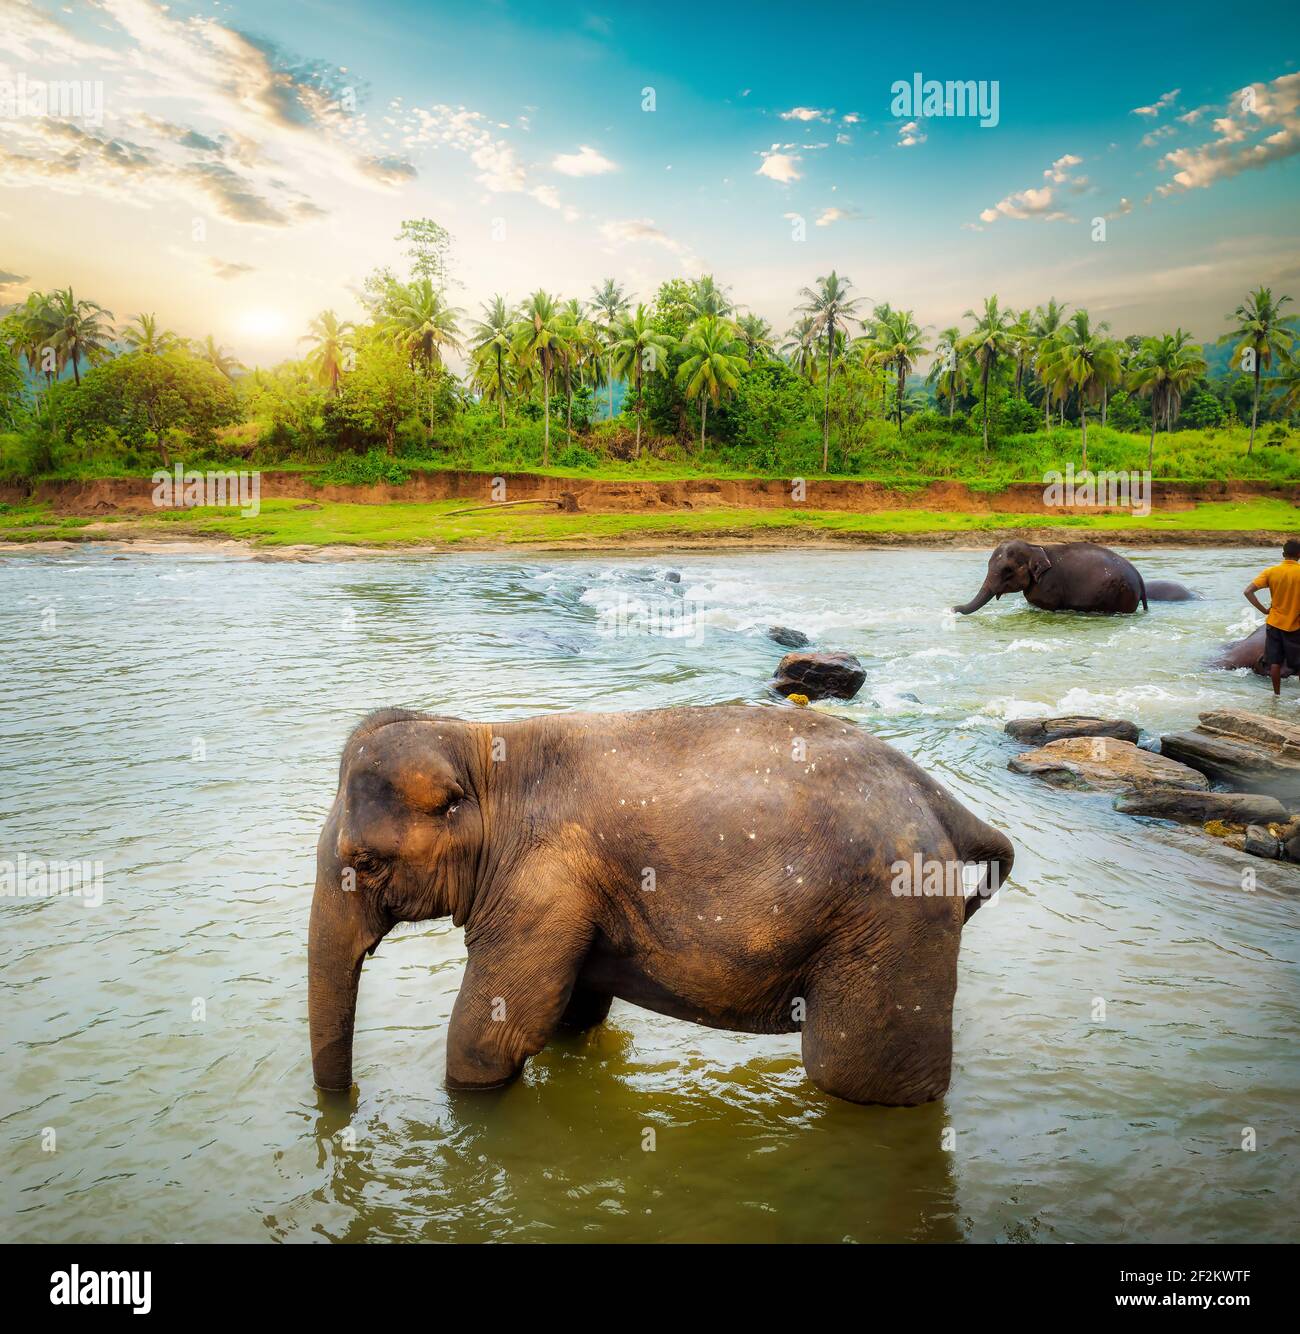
1283, 584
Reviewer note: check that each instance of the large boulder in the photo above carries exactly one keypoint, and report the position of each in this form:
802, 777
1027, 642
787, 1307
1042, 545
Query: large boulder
1188, 806
1251, 752
1094, 764
819, 675
1038, 731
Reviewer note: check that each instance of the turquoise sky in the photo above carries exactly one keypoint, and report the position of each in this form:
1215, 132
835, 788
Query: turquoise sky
253, 161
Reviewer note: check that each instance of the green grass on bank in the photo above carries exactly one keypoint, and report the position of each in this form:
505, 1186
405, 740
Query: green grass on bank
919, 457
288, 523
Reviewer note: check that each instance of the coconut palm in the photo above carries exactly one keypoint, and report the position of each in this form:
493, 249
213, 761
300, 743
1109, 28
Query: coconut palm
610, 302
1044, 326
639, 350
33, 325
332, 349
573, 363
897, 340
948, 370
756, 334
988, 344
78, 330
707, 298
1263, 332
831, 308
422, 324
1084, 359
1287, 381
1165, 369
490, 367
1021, 337
713, 364
145, 336
800, 348
215, 355
538, 341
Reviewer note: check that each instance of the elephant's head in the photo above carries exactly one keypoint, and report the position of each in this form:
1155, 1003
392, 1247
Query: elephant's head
1013, 567
401, 844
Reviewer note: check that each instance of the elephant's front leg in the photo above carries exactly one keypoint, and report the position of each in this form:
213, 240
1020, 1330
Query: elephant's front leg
518, 986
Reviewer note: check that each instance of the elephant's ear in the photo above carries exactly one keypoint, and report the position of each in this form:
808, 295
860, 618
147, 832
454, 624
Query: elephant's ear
1038, 563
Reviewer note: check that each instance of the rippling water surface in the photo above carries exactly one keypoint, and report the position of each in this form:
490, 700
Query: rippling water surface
1062, 1125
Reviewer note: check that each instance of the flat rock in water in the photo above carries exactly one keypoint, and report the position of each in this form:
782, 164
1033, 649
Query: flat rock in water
1261, 843
1190, 807
1251, 752
788, 638
1040, 730
1094, 764
819, 675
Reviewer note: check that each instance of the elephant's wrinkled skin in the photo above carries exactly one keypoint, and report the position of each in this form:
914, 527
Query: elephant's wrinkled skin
1061, 576
1248, 652
730, 865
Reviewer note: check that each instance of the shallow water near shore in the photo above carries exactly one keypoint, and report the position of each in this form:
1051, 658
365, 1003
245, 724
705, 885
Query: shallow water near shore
162, 1036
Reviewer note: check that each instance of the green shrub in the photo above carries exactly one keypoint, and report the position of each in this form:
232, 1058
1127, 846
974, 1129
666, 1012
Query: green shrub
363, 470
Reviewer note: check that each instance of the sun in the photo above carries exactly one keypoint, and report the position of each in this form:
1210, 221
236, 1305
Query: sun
261, 322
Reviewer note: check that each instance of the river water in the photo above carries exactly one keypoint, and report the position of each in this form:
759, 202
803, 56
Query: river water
1126, 1018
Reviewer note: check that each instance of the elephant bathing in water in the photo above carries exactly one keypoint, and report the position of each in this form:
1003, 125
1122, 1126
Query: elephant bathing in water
739, 867
1248, 652
1064, 576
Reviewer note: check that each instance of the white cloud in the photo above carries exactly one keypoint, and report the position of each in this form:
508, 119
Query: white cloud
832, 215
585, 162
1059, 171
805, 113
779, 166
1158, 105
1242, 144
911, 134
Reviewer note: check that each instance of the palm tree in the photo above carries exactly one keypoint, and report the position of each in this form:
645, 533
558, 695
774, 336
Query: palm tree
491, 342
574, 359
1287, 381
637, 348
897, 341
756, 334
1044, 327
800, 349
422, 323
215, 355
1085, 359
948, 370
707, 298
34, 325
539, 340
331, 350
1165, 369
145, 336
1021, 337
1263, 330
713, 365
611, 302
831, 308
987, 344
78, 330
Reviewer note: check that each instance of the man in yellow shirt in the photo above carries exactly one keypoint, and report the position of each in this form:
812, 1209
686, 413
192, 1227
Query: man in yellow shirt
1282, 635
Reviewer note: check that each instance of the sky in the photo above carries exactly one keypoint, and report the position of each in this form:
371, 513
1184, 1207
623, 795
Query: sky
238, 167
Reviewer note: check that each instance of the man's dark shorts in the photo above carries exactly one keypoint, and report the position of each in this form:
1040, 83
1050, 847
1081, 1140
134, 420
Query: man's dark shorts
1282, 646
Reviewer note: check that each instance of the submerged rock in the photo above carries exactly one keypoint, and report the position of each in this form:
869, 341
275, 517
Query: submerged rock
1251, 752
1040, 730
1093, 764
788, 638
819, 675
1191, 807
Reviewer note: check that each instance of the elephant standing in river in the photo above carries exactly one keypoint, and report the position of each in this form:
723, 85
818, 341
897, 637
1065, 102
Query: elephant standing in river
1061, 576
740, 867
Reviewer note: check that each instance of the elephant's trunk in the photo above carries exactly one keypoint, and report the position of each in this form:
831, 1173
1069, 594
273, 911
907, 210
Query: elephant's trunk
980, 598
335, 953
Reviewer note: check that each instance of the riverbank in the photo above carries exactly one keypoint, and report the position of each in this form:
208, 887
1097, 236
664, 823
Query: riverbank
289, 526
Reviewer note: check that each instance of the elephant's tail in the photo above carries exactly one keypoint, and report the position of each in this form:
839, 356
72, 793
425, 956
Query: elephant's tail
1142, 589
